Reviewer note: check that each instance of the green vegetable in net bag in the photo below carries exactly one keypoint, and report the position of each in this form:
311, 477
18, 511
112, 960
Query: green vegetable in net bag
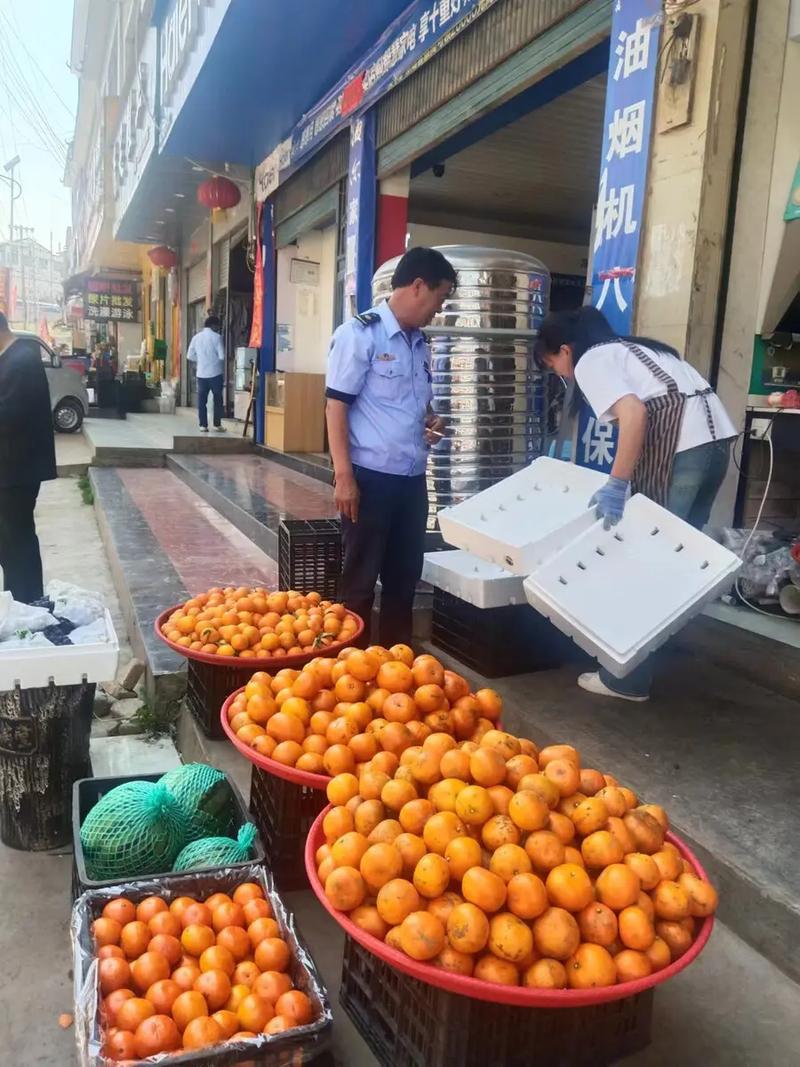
206, 797
136, 829
217, 851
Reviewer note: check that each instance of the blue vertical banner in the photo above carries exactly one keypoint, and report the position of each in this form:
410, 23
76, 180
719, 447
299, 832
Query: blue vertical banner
266, 352
630, 104
360, 231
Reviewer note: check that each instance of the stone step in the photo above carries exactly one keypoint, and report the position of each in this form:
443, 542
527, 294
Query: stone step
164, 543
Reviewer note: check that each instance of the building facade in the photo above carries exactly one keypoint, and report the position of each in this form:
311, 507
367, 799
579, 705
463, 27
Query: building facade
621, 142
32, 282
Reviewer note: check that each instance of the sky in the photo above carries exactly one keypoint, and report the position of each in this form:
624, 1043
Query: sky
44, 28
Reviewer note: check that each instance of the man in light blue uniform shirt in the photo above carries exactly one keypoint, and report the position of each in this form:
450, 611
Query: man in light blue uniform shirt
380, 427
208, 352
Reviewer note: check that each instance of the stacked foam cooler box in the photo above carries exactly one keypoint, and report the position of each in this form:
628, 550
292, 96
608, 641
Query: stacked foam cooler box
619, 593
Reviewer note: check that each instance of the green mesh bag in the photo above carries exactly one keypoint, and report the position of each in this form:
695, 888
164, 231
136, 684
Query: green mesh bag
136, 829
218, 851
206, 797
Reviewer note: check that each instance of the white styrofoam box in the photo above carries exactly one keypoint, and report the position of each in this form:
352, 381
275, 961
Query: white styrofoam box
620, 593
472, 579
527, 517
31, 668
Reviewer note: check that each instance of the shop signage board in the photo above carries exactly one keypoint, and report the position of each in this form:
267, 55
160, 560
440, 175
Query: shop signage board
630, 103
112, 299
413, 38
360, 229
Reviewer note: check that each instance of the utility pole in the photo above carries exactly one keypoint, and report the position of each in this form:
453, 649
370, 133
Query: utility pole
9, 168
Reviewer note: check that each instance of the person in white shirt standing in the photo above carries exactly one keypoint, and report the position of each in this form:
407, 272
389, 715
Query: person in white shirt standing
208, 352
674, 433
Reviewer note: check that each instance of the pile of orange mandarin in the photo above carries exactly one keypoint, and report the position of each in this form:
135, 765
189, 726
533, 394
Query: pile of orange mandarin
364, 707
492, 859
193, 974
254, 623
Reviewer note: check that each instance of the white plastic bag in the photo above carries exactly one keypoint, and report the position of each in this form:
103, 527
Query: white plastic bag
25, 640
80, 606
93, 634
15, 616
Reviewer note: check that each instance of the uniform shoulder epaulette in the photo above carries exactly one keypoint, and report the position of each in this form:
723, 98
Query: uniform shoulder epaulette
367, 318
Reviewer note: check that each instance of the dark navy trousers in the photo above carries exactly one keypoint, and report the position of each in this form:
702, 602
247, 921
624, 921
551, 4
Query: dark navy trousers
387, 542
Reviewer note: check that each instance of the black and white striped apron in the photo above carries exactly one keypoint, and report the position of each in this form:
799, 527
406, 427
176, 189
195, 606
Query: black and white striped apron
664, 421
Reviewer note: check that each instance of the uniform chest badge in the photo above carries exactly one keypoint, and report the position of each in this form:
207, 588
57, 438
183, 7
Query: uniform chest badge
386, 357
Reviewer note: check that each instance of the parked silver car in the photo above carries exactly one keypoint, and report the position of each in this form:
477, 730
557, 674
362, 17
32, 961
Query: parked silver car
69, 400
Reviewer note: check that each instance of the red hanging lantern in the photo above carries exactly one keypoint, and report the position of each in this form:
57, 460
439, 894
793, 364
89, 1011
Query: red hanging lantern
218, 193
162, 256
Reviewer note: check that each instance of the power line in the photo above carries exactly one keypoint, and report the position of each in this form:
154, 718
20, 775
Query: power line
18, 91
35, 62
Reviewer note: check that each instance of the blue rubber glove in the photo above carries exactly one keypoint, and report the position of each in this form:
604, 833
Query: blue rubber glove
609, 502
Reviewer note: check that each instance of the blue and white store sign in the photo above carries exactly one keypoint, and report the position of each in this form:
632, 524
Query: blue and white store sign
425, 28
360, 230
630, 102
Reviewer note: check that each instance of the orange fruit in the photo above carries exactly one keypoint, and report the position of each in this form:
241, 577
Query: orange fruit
545, 850
441, 829
246, 972
217, 958
396, 677
600, 849
556, 934
422, 935
646, 831
134, 938
490, 703
196, 938
671, 901
568, 886
590, 966
631, 965
149, 968
598, 924
636, 929
545, 974
345, 888
474, 805
121, 910
411, 848
467, 928
509, 859
431, 875
215, 987
295, 1006
261, 928
185, 976
461, 853
499, 830
542, 787
202, 1032
617, 886
483, 888
509, 937
528, 810
677, 937
114, 974
450, 959
379, 864
659, 954
385, 833
156, 1035
526, 896
490, 969
272, 954
397, 899
271, 984
703, 897
645, 868
563, 773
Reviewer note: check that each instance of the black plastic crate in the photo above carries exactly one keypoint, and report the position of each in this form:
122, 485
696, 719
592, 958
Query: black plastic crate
298, 1047
44, 748
208, 687
89, 791
408, 1023
284, 813
498, 641
310, 556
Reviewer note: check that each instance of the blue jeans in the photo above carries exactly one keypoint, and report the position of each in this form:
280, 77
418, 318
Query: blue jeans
697, 475
204, 387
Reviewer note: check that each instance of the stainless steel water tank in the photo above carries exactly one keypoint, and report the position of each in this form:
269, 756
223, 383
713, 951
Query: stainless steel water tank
485, 384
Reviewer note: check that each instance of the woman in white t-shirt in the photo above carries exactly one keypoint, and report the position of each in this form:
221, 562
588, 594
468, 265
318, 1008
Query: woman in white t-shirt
674, 434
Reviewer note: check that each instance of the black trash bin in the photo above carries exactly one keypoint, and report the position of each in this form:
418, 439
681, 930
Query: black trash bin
44, 748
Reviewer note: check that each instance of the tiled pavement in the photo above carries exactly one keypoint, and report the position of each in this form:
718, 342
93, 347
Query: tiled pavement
166, 541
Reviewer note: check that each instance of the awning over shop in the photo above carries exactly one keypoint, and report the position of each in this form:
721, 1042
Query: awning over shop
268, 64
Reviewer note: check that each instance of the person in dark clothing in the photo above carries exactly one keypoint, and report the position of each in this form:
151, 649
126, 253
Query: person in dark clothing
27, 458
